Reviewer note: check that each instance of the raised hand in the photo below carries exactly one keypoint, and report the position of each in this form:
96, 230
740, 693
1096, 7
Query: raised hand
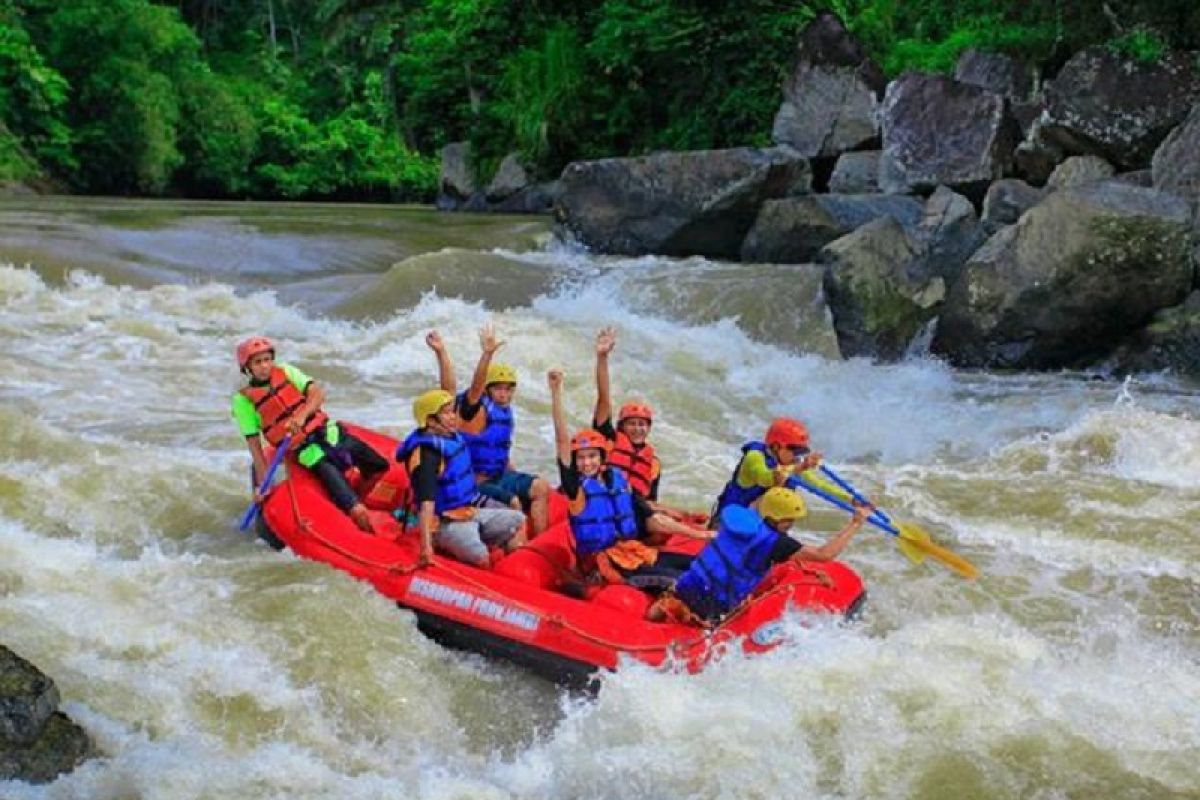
606, 340
488, 342
434, 340
555, 379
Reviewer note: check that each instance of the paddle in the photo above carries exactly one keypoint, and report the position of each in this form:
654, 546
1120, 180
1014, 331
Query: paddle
252, 511
913, 540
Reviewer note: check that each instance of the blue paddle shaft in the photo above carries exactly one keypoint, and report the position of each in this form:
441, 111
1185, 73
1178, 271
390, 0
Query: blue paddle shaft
883, 524
845, 485
280, 452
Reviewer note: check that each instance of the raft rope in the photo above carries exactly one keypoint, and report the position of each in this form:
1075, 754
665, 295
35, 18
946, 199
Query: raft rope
674, 646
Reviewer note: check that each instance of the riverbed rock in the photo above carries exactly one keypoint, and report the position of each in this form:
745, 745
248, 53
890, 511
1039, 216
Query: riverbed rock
677, 204
537, 198
793, 230
1117, 107
37, 742
996, 72
832, 95
1079, 271
1171, 342
27, 698
1037, 155
1176, 163
937, 130
1136, 177
1006, 200
60, 747
949, 232
878, 304
457, 185
1078, 170
510, 178
856, 173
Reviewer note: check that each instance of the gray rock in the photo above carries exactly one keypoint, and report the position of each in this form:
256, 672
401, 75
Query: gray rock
1079, 170
458, 176
1120, 108
679, 204
1176, 164
60, 747
856, 173
536, 199
949, 232
1006, 200
939, 131
509, 179
1171, 342
1078, 272
832, 95
996, 72
27, 699
877, 304
1037, 156
793, 230
1137, 177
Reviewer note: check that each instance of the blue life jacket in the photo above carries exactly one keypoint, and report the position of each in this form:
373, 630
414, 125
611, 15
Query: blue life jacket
490, 448
731, 566
737, 495
607, 516
456, 484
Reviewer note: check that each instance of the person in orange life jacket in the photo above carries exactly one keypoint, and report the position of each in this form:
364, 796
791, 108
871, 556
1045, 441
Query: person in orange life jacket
630, 449
611, 525
280, 400
748, 543
783, 453
439, 465
487, 421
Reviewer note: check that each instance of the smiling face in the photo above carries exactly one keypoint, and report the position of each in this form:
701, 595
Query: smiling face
636, 428
445, 421
501, 393
260, 366
788, 455
589, 461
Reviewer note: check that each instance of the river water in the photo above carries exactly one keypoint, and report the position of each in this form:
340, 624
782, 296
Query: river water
208, 666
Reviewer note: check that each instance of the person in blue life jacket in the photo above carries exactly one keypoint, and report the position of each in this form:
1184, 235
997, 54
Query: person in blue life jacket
615, 531
449, 511
782, 454
487, 421
279, 400
747, 545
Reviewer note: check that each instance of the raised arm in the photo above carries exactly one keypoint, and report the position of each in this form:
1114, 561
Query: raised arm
834, 547
562, 436
606, 340
488, 345
446, 378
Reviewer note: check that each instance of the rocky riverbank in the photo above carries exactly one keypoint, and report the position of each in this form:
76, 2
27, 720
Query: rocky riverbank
1011, 220
37, 741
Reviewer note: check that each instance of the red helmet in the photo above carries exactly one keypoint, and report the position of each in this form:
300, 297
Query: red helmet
635, 410
588, 439
252, 347
787, 432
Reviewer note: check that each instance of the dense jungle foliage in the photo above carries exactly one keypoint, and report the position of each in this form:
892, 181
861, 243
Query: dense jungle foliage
354, 98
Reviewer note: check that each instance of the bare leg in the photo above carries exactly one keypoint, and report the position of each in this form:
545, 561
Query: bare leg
539, 505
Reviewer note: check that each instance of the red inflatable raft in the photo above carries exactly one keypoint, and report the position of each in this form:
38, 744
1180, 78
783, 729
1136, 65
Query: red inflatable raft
516, 610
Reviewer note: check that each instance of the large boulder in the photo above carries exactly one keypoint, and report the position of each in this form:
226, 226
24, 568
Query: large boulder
1079, 271
996, 72
457, 184
510, 178
937, 130
878, 300
1006, 200
678, 204
794, 230
1171, 342
1037, 155
1108, 104
948, 232
856, 173
831, 97
1078, 170
37, 742
1176, 163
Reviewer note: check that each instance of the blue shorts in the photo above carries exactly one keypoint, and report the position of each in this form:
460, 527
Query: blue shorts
509, 484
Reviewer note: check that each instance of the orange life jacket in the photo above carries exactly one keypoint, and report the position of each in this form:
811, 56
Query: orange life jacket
275, 404
639, 465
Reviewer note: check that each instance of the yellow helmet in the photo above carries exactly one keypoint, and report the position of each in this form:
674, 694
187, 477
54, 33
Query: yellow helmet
430, 403
779, 504
501, 373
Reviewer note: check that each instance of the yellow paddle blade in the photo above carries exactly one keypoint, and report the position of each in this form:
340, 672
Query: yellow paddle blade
917, 538
910, 550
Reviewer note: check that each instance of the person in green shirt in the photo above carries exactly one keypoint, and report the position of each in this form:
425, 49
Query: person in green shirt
278, 401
